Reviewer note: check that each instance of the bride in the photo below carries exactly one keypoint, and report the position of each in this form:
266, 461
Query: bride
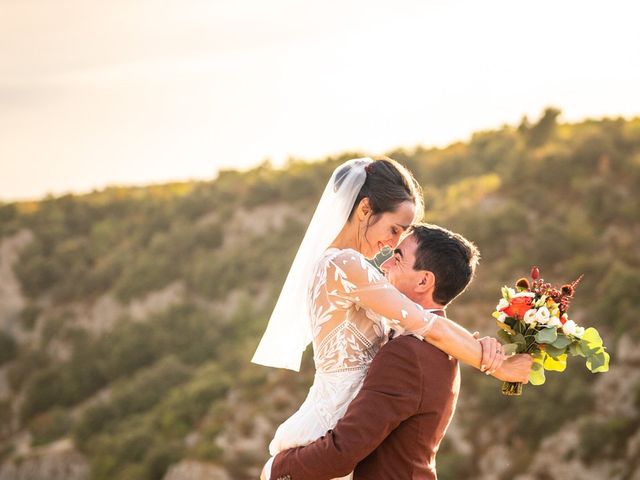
336, 299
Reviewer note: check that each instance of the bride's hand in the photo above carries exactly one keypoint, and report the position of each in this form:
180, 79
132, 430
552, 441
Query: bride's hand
492, 354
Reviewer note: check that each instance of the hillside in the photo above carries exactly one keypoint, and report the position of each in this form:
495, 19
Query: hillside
128, 316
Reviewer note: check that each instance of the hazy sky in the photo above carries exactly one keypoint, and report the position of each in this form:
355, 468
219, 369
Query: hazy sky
94, 93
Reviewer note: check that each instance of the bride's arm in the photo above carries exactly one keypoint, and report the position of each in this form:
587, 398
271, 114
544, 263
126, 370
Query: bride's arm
355, 280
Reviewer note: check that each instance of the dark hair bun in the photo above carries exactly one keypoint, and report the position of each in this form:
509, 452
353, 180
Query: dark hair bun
388, 184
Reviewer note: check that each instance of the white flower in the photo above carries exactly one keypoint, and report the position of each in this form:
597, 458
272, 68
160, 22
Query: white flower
543, 315
554, 322
579, 332
530, 316
511, 292
524, 294
570, 327
502, 317
502, 304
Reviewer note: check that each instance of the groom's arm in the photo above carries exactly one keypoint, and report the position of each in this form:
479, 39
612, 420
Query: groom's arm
390, 394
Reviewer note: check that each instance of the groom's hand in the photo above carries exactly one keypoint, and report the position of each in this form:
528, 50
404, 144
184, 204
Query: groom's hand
515, 368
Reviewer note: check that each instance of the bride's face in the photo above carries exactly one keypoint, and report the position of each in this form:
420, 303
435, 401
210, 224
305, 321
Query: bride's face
388, 228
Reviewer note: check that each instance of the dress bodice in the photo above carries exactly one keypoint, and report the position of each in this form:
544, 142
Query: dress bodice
346, 336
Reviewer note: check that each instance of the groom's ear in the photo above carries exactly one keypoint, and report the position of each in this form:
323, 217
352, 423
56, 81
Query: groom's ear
427, 282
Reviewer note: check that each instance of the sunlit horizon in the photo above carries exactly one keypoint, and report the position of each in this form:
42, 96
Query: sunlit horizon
130, 94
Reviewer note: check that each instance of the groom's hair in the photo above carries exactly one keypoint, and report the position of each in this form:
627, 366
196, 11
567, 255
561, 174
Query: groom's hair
449, 256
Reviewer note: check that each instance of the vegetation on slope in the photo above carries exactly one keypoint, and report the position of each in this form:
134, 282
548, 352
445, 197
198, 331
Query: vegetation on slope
177, 384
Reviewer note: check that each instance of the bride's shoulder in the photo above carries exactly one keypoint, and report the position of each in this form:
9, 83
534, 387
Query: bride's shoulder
352, 262
345, 256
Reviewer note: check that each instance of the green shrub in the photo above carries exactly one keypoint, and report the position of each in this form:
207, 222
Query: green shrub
29, 315
27, 362
6, 415
135, 395
8, 348
606, 438
50, 426
160, 457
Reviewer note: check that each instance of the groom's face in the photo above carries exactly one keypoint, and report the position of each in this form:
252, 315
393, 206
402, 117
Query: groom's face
399, 268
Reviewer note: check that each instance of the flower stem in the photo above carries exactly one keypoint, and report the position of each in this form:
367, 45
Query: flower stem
512, 388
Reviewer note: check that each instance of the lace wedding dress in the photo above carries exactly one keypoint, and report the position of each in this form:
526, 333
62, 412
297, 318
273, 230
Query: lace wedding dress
352, 307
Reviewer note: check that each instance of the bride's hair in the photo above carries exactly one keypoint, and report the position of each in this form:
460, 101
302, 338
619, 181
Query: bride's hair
388, 184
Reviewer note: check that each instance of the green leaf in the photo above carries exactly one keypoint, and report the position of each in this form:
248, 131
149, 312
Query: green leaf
589, 349
599, 363
547, 335
554, 351
562, 341
536, 376
575, 349
511, 348
558, 365
519, 339
592, 337
504, 337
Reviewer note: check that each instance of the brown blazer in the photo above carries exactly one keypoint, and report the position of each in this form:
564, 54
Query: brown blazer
393, 427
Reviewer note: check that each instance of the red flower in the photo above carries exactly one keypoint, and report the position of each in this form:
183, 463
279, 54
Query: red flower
518, 307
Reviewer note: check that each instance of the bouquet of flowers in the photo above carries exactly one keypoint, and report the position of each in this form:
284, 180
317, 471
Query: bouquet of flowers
533, 319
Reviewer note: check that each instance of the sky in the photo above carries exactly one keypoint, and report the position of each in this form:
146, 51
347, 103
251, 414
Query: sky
132, 92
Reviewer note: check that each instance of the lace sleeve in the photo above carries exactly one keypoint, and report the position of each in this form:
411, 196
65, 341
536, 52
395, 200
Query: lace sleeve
350, 278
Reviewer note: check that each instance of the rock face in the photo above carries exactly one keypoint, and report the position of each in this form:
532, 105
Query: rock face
193, 470
11, 300
258, 221
101, 316
60, 461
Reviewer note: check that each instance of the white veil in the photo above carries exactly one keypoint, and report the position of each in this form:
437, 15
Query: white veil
289, 330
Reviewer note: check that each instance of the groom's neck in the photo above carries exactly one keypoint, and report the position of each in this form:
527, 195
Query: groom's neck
428, 302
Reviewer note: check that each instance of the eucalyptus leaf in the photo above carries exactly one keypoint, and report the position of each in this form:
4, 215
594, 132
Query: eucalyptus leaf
554, 351
562, 341
557, 365
536, 376
592, 337
519, 338
589, 349
575, 349
599, 363
511, 348
504, 336
547, 335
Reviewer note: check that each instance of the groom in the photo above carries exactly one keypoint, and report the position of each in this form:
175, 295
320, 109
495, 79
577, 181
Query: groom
393, 428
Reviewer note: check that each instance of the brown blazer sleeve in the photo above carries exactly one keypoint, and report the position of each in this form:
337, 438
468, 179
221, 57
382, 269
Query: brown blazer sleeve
390, 394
